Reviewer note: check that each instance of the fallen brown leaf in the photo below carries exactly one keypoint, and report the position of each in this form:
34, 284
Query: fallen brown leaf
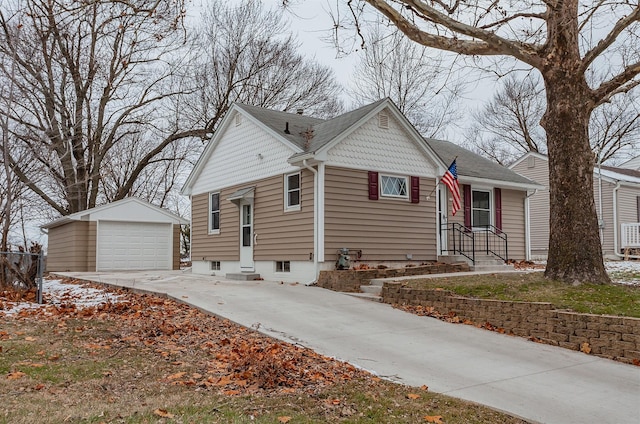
284, 420
436, 419
15, 375
413, 396
584, 347
163, 413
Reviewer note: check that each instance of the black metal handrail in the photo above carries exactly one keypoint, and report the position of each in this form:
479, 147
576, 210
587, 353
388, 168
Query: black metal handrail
465, 241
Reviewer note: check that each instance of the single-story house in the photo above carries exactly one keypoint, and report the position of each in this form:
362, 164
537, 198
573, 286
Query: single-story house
616, 193
128, 234
284, 195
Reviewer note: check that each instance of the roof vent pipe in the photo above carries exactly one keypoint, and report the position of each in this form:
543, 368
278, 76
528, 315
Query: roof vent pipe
286, 128
299, 111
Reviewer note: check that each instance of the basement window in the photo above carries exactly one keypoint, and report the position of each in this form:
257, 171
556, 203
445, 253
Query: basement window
283, 266
215, 265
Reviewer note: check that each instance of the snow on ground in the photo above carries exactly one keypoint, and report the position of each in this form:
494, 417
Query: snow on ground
83, 296
57, 293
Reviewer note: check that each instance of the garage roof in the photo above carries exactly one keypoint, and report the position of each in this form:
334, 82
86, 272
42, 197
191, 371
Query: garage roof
130, 209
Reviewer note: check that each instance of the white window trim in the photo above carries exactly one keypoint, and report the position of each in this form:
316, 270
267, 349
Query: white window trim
393, 196
287, 207
491, 207
209, 220
275, 265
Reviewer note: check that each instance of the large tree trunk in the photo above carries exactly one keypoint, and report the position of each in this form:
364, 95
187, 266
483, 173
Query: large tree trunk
575, 252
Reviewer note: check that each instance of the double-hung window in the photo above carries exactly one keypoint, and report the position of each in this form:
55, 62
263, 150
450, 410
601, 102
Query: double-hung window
292, 192
214, 213
391, 186
480, 208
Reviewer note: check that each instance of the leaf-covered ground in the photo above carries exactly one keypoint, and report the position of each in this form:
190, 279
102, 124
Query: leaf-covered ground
141, 358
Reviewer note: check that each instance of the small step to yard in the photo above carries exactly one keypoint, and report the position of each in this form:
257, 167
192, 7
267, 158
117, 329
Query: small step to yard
483, 263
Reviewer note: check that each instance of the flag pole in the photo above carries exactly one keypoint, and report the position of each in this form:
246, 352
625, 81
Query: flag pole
440, 179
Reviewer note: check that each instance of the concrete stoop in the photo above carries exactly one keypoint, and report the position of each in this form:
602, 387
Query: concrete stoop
242, 276
484, 263
371, 291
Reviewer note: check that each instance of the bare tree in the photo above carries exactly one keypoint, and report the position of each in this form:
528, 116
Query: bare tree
90, 75
566, 41
509, 125
246, 54
414, 77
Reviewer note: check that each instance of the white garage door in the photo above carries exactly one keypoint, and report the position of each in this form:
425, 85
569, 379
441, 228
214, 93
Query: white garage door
133, 245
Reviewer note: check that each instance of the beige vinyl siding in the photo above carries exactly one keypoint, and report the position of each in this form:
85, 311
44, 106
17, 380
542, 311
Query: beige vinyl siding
224, 246
513, 222
538, 204
384, 229
284, 236
176, 247
280, 235
70, 247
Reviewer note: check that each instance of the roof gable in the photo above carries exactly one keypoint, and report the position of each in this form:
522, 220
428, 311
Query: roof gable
129, 209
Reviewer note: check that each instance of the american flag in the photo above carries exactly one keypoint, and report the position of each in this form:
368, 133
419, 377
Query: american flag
450, 179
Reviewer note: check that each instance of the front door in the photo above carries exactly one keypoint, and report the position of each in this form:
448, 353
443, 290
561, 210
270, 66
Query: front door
442, 219
246, 237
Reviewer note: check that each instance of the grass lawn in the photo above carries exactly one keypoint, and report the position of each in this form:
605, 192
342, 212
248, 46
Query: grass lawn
153, 360
613, 299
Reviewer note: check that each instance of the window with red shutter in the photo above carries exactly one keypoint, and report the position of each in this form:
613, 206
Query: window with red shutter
466, 192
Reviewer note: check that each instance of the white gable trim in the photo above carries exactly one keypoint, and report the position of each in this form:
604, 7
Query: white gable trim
498, 183
86, 214
526, 155
217, 136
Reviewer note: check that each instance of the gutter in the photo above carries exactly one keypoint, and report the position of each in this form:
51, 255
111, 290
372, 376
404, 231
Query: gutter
316, 211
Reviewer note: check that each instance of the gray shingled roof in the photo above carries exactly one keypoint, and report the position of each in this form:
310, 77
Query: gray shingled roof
473, 165
324, 131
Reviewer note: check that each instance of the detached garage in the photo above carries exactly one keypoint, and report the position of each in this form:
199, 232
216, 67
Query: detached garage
129, 234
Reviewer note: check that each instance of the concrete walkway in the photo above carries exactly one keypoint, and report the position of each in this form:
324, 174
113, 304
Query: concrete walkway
537, 382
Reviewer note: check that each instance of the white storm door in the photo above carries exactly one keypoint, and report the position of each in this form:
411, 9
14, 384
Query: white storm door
443, 219
246, 237
133, 246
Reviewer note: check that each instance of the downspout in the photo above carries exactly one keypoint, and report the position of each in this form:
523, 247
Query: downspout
315, 222
527, 224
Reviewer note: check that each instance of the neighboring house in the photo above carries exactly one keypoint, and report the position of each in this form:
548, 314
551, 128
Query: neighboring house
617, 200
281, 194
129, 234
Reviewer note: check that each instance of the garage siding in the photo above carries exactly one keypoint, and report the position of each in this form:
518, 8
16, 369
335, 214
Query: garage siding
72, 247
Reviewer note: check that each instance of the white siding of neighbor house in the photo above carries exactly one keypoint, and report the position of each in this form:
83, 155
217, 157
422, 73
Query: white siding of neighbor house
390, 150
537, 170
244, 153
539, 207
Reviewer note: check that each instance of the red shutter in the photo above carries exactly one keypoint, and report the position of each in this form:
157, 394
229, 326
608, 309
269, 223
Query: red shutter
497, 194
415, 189
466, 189
373, 185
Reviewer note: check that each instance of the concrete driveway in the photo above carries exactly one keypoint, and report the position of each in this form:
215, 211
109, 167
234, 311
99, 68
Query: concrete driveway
537, 382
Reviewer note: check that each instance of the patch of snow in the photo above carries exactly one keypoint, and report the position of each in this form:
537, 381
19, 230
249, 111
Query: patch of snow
57, 293
630, 271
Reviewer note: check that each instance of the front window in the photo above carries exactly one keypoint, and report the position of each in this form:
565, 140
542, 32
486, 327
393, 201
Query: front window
292, 191
214, 213
393, 186
480, 208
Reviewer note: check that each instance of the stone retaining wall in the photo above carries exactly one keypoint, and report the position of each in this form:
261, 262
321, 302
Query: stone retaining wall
350, 280
602, 335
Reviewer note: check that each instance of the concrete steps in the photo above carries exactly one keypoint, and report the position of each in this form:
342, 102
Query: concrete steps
366, 296
242, 276
484, 263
